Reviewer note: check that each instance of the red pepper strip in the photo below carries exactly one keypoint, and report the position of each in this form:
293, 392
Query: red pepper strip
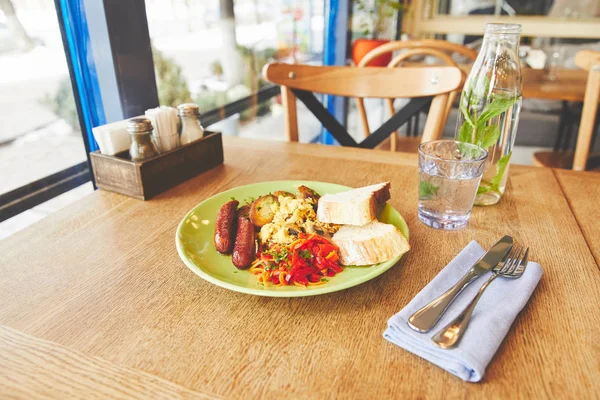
336, 269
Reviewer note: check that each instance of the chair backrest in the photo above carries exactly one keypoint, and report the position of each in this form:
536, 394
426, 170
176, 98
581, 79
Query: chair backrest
439, 49
590, 61
387, 83
442, 45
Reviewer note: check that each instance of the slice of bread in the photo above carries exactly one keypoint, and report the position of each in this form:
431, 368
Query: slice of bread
369, 244
354, 207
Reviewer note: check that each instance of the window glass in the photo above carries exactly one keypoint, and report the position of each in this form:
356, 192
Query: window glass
204, 55
581, 9
40, 132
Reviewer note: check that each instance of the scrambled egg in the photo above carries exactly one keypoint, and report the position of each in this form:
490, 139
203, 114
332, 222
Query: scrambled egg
292, 217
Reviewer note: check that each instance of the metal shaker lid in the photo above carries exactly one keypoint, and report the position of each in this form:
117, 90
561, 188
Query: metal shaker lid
139, 125
188, 109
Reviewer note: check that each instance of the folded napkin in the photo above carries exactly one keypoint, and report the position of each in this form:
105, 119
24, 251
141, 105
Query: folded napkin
491, 319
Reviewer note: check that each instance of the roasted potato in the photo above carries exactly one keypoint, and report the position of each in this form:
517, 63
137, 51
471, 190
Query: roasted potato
263, 209
307, 193
283, 193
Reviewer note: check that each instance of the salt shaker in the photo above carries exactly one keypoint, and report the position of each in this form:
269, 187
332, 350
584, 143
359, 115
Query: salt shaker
191, 129
142, 146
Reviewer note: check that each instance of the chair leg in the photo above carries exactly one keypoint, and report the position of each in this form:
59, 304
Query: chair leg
393, 141
568, 136
416, 132
596, 129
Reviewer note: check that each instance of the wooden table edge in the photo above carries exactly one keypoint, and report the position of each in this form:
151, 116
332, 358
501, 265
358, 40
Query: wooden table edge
38, 362
588, 241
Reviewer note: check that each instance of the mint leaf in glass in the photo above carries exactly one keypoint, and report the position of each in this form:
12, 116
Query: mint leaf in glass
487, 136
427, 190
495, 108
465, 133
465, 112
501, 169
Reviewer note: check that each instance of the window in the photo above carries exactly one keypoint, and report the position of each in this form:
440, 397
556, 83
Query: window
43, 150
214, 57
40, 133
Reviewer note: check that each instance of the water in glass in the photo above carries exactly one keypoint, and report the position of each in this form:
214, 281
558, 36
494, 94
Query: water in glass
449, 174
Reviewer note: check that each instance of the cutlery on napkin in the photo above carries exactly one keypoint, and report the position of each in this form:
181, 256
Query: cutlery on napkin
490, 323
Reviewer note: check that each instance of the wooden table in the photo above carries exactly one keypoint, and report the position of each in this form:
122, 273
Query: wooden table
95, 301
570, 85
582, 192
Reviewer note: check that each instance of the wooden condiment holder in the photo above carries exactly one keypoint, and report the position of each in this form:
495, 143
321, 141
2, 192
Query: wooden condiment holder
145, 179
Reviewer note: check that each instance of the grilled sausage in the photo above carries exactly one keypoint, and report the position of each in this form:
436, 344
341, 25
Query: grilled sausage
225, 227
243, 249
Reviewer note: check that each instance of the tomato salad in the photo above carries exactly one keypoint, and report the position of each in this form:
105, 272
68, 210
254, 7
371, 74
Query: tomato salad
309, 260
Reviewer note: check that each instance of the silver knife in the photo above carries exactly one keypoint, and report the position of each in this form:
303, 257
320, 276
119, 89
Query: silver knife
426, 318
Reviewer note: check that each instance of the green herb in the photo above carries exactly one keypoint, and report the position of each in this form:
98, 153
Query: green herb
500, 169
324, 280
494, 185
483, 188
465, 133
232, 198
305, 254
487, 137
474, 130
258, 208
249, 200
495, 108
279, 255
479, 91
427, 190
465, 113
235, 272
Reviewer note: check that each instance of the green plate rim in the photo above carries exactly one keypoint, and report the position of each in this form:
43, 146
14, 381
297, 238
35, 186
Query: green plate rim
316, 290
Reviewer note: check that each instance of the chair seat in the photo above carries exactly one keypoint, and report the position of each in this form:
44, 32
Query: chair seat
563, 159
405, 144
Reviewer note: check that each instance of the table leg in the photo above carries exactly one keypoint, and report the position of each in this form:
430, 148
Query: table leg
561, 125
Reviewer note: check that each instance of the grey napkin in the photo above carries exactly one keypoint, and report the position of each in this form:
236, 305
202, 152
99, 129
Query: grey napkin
491, 320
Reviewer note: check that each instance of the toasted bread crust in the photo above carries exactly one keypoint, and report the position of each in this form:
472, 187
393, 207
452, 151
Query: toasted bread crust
360, 212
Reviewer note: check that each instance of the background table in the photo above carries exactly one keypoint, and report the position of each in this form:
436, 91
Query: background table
570, 85
95, 299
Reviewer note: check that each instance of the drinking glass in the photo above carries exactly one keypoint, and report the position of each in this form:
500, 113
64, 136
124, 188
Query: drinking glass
449, 174
555, 60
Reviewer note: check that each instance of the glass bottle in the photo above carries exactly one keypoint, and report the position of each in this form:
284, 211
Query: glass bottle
191, 129
142, 145
490, 104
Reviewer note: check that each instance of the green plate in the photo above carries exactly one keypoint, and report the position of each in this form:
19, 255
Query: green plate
194, 239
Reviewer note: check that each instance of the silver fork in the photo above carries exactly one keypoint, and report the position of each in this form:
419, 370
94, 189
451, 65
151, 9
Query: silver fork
512, 267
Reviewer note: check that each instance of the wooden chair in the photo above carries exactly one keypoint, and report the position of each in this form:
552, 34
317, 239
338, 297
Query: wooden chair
589, 61
439, 49
298, 81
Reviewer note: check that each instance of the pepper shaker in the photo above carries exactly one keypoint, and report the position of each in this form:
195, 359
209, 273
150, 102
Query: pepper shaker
142, 145
191, 129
